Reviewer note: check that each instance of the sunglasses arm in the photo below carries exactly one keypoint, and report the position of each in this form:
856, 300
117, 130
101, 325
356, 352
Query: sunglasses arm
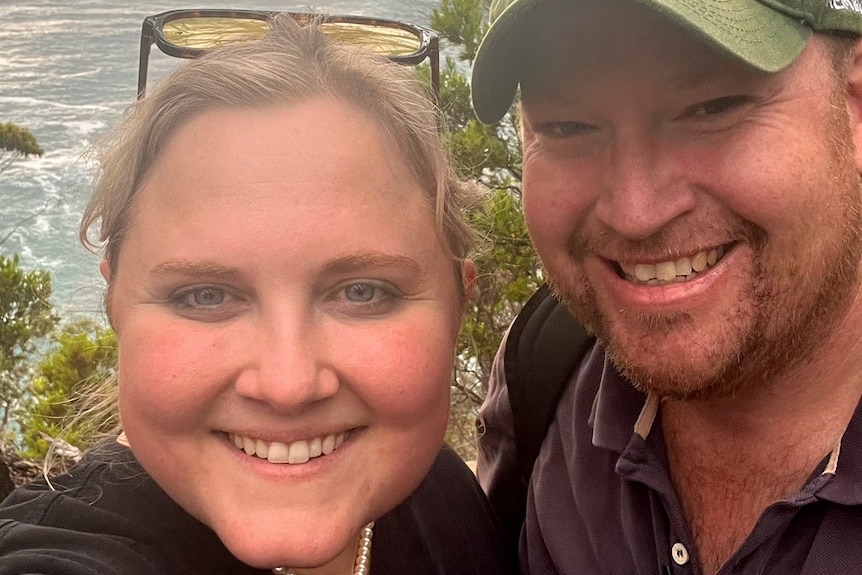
147, 40
435, 69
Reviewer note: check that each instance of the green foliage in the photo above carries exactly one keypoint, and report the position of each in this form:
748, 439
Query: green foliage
508, 269
26, 316
508, 275
16, 142
462, 23
82, 353
480, 154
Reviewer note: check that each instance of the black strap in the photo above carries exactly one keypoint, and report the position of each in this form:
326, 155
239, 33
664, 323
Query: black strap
543, 348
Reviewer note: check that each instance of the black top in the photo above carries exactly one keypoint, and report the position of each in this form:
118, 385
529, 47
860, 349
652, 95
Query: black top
107, 516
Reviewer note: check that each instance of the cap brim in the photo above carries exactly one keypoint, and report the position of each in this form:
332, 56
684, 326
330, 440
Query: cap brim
497, 68
745, 29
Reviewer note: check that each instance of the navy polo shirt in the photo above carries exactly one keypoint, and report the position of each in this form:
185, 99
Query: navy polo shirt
601, 501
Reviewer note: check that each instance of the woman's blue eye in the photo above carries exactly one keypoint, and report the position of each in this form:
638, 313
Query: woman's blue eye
205, 302
360, 293
208, 296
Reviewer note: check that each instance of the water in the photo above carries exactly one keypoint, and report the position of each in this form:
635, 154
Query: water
68, 70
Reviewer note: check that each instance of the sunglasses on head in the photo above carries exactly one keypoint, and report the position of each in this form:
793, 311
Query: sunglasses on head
191, 33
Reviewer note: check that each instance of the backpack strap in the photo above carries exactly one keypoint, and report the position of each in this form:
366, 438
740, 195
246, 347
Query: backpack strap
544, 346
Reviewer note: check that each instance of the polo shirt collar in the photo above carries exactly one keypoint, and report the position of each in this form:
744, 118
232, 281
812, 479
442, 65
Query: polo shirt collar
845, 463
617, 407
619, 411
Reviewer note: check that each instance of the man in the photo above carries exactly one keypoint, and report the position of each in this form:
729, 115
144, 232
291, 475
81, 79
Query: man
691, 184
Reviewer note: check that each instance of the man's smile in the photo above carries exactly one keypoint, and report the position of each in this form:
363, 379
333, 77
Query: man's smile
677, 270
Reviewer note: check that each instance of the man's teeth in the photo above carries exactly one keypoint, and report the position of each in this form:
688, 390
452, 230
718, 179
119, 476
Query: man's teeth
683, 269
296, 452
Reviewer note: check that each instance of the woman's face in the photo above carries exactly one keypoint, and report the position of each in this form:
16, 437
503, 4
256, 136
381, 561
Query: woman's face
281, 287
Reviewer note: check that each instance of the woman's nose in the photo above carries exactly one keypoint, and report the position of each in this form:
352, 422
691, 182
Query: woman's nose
290, 366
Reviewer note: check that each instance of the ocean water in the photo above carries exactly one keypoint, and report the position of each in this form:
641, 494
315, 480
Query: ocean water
68, 70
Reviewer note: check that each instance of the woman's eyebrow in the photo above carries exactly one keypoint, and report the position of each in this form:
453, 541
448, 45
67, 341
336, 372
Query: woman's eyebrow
365, 260
342, 264
202, 268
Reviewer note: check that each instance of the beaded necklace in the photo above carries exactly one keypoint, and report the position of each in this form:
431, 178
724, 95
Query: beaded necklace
363, 554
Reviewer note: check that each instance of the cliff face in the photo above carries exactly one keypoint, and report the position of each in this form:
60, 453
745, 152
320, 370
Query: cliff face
6, 484
15, 471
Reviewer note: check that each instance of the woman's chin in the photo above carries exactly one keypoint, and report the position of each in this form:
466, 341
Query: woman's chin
298, 546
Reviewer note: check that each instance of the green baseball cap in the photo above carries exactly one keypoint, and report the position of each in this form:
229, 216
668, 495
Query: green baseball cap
767, 34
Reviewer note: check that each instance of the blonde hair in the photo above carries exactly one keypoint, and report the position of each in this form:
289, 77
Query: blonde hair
292, 63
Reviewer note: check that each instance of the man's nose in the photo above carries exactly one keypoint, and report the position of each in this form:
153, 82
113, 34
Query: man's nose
644, 185
289, 364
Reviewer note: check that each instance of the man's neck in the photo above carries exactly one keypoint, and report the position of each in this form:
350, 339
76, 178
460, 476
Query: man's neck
730, 458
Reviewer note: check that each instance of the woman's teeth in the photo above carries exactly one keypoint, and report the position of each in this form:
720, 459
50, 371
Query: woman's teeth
683, 269
296, 452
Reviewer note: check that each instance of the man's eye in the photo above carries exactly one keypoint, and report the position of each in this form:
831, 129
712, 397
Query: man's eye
566, 129
716, 107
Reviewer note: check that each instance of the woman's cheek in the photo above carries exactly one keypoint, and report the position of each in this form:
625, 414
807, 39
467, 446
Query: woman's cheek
165, 376
411, 377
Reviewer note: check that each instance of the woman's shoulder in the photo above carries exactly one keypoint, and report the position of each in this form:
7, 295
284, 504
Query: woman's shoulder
106, 515
78, 522
37, 502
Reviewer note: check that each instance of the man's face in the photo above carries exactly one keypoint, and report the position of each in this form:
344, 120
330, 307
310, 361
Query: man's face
703, 218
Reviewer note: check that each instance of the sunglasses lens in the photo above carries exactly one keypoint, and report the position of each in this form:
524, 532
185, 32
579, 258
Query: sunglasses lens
208, 32
376, 38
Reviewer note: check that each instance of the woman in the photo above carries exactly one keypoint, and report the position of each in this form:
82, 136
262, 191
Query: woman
285, 258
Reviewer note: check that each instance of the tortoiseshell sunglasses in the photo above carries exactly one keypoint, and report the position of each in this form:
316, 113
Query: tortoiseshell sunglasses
190, 33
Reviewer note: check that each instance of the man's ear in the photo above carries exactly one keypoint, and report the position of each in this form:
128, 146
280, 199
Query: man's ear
854, 98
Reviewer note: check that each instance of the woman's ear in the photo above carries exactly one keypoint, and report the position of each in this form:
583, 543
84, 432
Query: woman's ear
468, 280
105, 269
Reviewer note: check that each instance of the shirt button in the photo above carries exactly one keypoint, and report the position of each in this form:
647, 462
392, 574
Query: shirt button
679, 554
